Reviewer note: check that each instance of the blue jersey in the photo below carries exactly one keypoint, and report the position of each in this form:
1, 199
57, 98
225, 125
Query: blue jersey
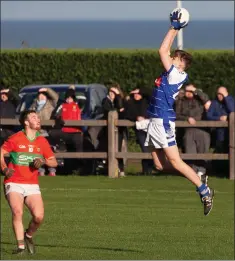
165, 91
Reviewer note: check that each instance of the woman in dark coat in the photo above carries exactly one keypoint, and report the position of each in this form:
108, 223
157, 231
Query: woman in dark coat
114, 102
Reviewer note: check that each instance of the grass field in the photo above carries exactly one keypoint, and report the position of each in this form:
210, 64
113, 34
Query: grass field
143, 217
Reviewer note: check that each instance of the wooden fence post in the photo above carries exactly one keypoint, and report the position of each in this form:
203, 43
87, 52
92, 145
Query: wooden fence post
232, 146
112, 161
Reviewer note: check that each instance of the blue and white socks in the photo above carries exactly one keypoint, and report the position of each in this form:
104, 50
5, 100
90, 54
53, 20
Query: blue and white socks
204, 190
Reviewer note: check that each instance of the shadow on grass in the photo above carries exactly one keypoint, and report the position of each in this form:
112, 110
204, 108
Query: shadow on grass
114, 249
81, 247
40, 245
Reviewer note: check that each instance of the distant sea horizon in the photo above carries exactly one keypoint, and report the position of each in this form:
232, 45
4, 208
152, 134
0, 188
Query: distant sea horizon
112, 34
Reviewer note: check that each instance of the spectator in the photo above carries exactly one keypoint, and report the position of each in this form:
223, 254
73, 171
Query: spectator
219, 110
136, 110
44, 104
180, 131
114, 102
7, 111
195, 140
72, 136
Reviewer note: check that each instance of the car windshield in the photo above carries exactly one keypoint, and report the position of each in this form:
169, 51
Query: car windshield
28, 98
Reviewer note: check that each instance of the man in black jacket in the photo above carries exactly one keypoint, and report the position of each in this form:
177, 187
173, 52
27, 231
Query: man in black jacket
191, 108
136, 110
7, 111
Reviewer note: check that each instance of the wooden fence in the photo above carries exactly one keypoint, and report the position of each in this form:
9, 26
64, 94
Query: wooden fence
112, 154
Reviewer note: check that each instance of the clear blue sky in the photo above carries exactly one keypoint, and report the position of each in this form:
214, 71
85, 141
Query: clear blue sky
123, 10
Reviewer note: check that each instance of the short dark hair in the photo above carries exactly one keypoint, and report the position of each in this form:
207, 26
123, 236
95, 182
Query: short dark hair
24, 116
186, 57
187, 84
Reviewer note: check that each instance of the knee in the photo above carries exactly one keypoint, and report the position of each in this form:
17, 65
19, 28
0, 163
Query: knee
158, 166
38, 218
175, 162
17, 213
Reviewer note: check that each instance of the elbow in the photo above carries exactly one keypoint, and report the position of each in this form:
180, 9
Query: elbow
231, 108
161, 51
52, 163
55, 164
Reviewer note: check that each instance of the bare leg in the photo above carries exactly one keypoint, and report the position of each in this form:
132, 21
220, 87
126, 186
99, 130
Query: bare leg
161, 162
35, 206
16, 203
172, 153
178, 164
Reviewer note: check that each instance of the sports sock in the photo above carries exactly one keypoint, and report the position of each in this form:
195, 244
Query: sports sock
27, 235
204, 190
21, 244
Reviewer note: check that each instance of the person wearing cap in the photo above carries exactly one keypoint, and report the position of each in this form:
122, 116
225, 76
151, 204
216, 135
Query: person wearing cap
7, 111
191, 108
44, 104
72, 136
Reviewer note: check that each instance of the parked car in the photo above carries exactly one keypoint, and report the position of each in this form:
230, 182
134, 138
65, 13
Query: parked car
89, 98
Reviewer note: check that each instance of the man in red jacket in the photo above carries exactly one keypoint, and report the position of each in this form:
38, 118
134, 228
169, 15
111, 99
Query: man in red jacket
72, 136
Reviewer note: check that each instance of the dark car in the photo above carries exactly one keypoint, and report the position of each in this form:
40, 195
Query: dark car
89, 97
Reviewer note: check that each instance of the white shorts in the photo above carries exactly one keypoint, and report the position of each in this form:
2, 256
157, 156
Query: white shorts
23, 189
160, 134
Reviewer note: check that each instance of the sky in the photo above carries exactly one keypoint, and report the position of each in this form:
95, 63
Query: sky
113, 10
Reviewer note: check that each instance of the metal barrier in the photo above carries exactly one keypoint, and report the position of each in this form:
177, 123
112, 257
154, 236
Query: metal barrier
112, 154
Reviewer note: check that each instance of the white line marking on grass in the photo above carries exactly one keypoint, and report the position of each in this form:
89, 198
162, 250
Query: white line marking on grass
130, 190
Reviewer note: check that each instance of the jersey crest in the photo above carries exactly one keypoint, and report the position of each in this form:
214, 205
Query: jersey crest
158, 82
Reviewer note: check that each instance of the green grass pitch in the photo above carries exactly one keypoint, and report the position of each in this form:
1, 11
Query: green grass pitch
142, 217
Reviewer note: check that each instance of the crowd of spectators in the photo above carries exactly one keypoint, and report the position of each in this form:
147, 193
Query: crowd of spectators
191, 105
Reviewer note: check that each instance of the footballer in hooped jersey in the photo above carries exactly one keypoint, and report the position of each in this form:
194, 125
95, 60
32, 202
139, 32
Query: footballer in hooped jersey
161, 129
28, 152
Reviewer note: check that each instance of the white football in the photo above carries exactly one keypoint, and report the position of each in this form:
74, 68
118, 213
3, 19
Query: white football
184, 15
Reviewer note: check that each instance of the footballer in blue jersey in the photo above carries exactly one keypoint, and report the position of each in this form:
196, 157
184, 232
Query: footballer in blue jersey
161, 129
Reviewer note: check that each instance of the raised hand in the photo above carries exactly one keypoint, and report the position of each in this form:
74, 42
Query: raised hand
175, 20
192, 121
42, 90
223, 118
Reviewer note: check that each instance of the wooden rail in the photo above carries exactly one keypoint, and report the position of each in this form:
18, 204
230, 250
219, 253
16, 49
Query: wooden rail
112, 155
183, 124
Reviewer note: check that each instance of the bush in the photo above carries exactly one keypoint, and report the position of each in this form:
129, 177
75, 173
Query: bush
130, 68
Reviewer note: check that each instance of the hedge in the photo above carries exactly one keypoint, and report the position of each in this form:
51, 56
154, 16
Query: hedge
130, 68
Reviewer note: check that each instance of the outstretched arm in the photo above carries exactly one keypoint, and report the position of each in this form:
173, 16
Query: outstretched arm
165, 48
